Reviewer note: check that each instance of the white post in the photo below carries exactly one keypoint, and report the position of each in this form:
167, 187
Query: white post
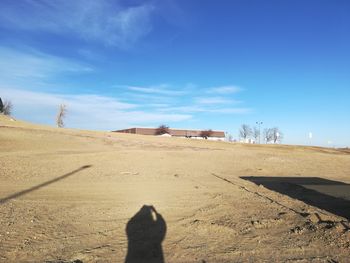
310, 137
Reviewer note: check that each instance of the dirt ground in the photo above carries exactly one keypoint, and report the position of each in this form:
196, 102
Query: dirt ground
83, 196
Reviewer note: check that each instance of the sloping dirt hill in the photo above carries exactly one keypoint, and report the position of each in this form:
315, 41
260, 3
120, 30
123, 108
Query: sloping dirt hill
84, 196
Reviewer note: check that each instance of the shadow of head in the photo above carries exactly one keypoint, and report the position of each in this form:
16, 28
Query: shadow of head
145, 230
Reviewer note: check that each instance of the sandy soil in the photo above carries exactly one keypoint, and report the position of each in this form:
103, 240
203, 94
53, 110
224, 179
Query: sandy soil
83, 196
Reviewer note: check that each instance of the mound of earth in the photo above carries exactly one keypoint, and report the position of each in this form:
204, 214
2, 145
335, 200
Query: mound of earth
84, 196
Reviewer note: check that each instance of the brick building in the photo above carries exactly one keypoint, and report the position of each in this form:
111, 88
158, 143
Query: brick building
194, 134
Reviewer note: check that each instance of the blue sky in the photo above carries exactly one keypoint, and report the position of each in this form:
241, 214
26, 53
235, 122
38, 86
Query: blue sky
188, 64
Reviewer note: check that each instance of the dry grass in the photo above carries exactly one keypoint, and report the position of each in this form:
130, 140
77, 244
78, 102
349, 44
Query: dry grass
69, 194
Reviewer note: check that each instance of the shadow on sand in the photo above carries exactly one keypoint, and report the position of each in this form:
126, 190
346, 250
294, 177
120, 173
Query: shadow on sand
34, 188
145, 230
332, 196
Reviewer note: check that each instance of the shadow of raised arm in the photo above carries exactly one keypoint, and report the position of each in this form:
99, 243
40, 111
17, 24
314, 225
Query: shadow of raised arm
146, 231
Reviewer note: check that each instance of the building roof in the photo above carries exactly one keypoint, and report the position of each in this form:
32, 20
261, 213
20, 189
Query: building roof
172, 132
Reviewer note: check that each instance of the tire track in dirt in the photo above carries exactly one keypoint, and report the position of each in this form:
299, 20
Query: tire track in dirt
313, 211
262, 196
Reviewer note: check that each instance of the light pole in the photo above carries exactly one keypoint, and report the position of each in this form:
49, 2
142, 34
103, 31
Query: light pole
259, 123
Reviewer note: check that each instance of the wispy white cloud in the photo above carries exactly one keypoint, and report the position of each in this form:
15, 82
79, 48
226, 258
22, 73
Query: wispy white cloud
232, 110
200, 109
162, 89
157, 105
146, 98
192, 104
225, 90
18, 66
214, 100
103, 21
85, 111
21, 70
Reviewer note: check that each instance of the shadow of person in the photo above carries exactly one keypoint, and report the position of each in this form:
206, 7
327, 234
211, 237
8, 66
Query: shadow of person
146, 231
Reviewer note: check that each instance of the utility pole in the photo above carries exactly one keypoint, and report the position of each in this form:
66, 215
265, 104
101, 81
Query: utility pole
259, 123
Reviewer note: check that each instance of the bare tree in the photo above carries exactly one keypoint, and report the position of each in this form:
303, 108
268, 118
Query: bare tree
268, 135
277, 135
273, 135
256, 134
6, 107
62, 111
162, 129
206, 133
245, 132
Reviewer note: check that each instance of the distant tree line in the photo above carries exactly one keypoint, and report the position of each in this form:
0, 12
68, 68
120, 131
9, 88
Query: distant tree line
269, 134
206, 134
245, 132
164, 129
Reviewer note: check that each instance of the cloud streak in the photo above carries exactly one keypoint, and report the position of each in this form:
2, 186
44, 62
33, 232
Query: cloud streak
31, 66
225, 90
25, 70
157, 90
214, 100
103, 21
200, 109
